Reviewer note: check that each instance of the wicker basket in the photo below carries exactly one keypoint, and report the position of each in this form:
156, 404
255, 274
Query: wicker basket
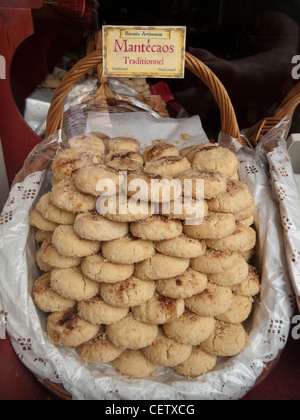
286, 108
104, 95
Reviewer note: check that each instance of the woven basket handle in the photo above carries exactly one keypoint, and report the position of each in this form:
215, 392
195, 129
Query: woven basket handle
229, 123
287, 107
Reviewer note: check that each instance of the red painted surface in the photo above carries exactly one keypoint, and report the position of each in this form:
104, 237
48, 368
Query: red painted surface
17, 138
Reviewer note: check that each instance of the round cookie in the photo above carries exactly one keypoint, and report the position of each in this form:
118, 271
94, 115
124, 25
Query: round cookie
67, 329
159, 150
39, 222
99, 269
124, 155
159, 310
94, 227
190, 328
198, 364
123, 210
72, 284
248, 222
99, 180
161, 267
46, 299
251, 286
99, 350
128, 250
233, 276
215, 183
66, 196
214, 226
125, 164
50, 256
96, 311
245, 214
134, 364
242, 240
41, 236
186, 285
227, 340
123, 143
69, 244
239, 310
68, 162
182, 246
213, 301
217, 158
236, 199
50, 212
131, 334
215, 262
168, 166
153, 188
156, 228
184, 209
88, 142
167, 352
41, 263
127, 294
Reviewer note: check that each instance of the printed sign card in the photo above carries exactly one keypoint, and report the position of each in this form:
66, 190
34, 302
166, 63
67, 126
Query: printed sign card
144, 51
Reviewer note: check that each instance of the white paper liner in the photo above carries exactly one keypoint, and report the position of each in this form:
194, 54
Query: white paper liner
268, 327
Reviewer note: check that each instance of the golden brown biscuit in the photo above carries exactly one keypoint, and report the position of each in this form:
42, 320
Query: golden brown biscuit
131, 334
99, 350
190, 328
233, 276
156, 228
124, 143
94, 227
161, 267
168, 166
69, 244
213, 301
159, 310
217, 158
227, 340
66, 196
99, 180
214, 226
165, 351
239, 310
46, 299
72, 284
215, 183
128, 293
251, 286
96, 311
67, 329
68, 162
128, 250
182, 246
87, 142
159, 150
39, 222
236, 199
99, 269
242, 240
198, 364
50, 256
134, 364
50, 212
215, 262
124, 210
186, 285
184, 208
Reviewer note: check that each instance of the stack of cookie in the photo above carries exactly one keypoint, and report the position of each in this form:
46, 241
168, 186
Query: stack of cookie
143, 289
